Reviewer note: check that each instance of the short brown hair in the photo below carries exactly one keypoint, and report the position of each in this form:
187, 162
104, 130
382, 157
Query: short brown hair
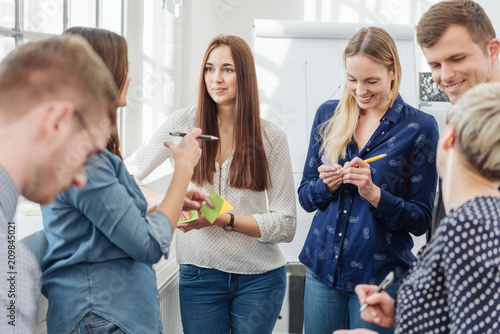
444, 14
55, 68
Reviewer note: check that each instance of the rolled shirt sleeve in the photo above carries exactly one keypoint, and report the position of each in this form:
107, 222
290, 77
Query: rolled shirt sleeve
279, 224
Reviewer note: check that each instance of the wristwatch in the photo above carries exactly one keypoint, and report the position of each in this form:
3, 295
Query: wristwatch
230, 227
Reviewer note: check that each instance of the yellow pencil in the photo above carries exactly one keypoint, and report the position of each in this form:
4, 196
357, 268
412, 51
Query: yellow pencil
377, 157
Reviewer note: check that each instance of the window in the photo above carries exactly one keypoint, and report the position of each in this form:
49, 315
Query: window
25, 20
152, 30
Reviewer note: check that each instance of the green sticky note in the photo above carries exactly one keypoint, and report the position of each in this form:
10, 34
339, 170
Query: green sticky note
217, 201
32, 212
193, 215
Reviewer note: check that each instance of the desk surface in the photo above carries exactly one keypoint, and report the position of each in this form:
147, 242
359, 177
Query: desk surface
29, 226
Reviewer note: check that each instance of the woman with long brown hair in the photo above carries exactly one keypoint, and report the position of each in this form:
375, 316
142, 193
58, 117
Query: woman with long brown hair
232, 272
101, 246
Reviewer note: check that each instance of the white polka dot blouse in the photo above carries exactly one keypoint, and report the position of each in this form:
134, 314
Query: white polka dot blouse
274, 209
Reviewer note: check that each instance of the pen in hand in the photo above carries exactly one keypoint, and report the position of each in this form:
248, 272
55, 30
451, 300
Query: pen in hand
382, 286
182, 134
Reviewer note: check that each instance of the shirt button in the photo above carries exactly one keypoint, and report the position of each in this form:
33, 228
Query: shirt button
367, 150
345, 211
340, 234
336, 256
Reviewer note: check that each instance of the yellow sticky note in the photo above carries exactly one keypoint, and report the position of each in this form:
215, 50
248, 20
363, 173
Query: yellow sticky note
225, 206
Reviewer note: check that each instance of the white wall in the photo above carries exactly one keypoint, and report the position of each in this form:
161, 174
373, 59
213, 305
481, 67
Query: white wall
172, 84
204, 19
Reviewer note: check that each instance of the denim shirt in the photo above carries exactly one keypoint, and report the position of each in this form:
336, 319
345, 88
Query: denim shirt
100, 252
350, 241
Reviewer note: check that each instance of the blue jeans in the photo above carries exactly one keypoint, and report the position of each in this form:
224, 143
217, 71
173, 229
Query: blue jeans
214, 302
328, 309
95, 324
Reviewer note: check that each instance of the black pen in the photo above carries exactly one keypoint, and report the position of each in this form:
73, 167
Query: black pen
384, 285
182, 134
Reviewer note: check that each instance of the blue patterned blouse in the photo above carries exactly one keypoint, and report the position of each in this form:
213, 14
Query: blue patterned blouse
350, 241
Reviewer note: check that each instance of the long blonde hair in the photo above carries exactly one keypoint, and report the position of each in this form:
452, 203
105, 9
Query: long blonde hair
338, 131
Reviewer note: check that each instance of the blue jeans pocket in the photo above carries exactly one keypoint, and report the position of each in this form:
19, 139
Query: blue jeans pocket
189, 272
95, 324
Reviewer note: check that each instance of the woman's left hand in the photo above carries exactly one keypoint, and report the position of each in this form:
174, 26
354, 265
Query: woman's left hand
200, 223
361, 177
331, 176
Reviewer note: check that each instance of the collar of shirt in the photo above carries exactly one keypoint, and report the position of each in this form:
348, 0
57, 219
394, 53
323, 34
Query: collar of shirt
9, 193
394, 112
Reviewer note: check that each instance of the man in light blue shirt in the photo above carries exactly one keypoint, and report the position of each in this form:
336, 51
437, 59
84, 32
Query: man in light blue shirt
55, 99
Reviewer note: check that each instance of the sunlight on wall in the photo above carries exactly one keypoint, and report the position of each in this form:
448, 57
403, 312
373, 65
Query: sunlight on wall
309, 10
366, 11
148, 35
153, 34
380, 12
348, 14
326, 8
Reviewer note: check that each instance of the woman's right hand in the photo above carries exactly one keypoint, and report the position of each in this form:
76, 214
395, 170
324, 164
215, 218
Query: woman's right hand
380, 310
187, 153
330, 176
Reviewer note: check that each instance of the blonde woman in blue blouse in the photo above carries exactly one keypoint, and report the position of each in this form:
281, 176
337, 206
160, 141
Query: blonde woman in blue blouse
454, 285
364, 212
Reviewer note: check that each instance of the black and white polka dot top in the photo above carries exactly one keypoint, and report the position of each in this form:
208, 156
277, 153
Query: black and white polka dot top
454, 284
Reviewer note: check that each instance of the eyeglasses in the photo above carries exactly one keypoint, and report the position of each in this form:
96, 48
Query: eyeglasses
96, 160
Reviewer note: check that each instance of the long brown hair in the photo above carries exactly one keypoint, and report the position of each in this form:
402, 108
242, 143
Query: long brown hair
249, 168
112, 48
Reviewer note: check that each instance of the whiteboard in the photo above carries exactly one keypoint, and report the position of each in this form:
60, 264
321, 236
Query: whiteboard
299, 66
